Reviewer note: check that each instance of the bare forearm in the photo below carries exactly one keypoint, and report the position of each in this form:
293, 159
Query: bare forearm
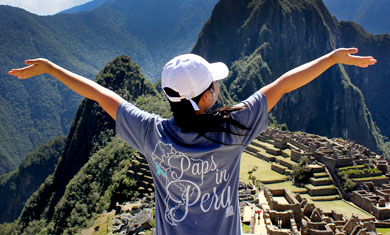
108, 99
77, 83
295, 78
304, 74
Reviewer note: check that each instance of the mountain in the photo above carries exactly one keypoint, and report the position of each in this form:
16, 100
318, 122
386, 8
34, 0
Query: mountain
17, 186
260, 40
372, 15
33, 111
84, 7
372, 82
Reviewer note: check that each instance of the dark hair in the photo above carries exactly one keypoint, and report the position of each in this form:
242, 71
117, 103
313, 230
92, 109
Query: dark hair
218, 121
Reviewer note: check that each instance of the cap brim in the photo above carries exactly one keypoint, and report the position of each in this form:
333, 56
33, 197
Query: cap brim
219, 70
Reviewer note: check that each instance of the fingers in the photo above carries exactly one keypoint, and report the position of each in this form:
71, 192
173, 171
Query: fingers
22, 73
352, 50
363, 61
345, 56
14, 72
35, 67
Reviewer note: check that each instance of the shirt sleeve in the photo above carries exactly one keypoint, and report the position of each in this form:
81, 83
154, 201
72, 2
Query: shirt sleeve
254, 116
132, 124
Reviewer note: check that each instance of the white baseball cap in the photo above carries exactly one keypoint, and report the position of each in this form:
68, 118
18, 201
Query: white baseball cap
190, 75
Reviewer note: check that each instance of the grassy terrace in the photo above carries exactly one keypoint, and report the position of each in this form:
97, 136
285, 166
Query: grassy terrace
285, 162
370, 178
321, 198
321, 174
341, 206
351, 167
384, 231
287, 185
269, 147
320, 181
264, 172
102, 225
260, 151
310, 186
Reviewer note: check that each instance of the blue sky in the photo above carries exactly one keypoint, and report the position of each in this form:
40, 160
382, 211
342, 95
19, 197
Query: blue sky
43, 7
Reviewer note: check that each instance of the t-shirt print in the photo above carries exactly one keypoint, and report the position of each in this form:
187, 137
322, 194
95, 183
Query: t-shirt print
184, 177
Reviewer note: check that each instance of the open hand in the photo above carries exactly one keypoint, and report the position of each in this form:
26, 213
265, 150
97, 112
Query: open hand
35, 67
344, 56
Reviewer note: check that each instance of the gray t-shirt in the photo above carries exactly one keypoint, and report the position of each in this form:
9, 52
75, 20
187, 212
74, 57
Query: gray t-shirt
196, 179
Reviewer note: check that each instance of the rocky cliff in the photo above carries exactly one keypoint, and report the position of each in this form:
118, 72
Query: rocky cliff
373, 82
262, 39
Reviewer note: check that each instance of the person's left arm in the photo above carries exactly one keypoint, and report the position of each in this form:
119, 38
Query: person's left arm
304, 74
106, 98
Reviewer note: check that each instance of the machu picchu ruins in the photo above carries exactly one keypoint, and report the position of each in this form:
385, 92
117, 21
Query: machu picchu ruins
340, 171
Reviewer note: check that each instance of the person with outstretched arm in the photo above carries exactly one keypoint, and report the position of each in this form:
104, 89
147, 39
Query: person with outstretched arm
194, 157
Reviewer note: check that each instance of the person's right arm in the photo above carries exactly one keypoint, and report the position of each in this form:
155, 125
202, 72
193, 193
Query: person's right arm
304, 74
106, 98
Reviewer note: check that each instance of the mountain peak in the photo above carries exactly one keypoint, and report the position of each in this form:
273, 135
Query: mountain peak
263, 39
89, 6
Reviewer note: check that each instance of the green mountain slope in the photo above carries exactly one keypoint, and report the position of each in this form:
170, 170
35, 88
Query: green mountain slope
263, 39
17, 186
33, 111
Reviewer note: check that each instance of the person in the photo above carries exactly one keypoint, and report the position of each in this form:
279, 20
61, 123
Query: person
194, 157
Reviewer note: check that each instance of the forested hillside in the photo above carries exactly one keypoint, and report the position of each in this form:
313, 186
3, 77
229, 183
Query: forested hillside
33, 111
17, 186
261, 40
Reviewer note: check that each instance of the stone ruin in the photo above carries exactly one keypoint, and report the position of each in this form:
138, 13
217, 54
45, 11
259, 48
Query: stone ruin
134, 217
247, 198
333, 153
284, 213
291, 214
246, 192
373, 199
141, 173
336, 153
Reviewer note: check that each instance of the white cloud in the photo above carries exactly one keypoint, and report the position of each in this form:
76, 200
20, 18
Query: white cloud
43, 7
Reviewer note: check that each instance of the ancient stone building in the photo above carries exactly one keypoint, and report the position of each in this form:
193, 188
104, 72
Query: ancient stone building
284, 212
335, 155
374, 199
291, 214
331, 152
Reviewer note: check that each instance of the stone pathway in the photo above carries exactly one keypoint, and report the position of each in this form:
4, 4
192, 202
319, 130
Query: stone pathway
260, 228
